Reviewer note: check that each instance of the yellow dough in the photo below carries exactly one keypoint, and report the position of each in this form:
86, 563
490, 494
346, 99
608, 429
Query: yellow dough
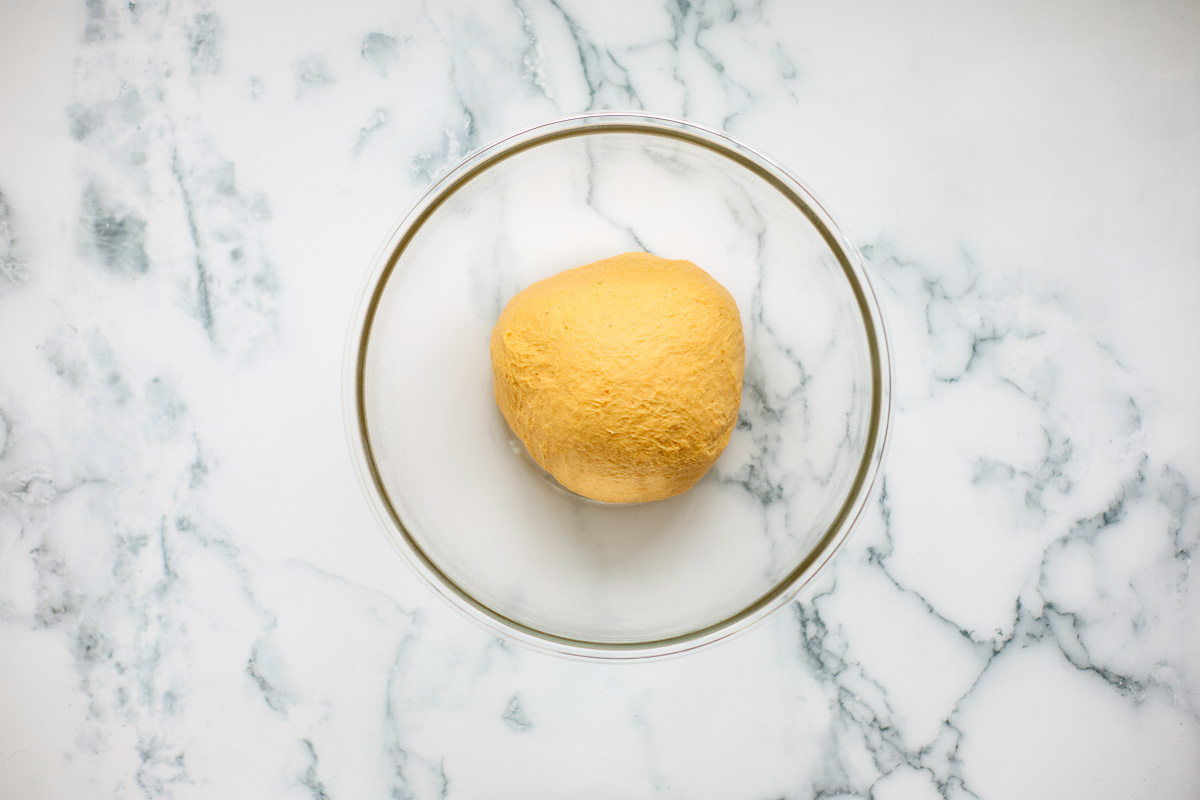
623, 377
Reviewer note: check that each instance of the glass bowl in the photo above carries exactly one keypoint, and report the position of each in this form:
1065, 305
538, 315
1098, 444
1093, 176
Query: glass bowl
469, 510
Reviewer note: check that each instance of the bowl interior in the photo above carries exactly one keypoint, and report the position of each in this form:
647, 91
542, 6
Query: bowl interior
499, 532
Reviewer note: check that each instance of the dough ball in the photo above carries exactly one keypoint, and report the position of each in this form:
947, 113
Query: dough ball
622, 378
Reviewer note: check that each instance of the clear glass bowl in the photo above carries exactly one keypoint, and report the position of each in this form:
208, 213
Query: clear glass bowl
475, 517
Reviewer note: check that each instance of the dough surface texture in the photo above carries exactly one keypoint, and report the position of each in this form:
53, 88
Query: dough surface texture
623, 378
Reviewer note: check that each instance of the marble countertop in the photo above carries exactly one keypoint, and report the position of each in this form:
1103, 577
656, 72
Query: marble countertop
196, 602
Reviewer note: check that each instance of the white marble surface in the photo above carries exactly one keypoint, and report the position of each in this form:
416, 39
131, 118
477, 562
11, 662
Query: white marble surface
195, 601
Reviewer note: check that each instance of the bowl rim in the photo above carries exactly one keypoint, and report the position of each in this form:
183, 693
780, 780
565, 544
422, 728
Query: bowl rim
475, 163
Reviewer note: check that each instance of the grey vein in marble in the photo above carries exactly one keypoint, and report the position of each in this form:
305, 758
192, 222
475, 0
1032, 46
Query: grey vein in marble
12, 262
136, 136
380, 51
